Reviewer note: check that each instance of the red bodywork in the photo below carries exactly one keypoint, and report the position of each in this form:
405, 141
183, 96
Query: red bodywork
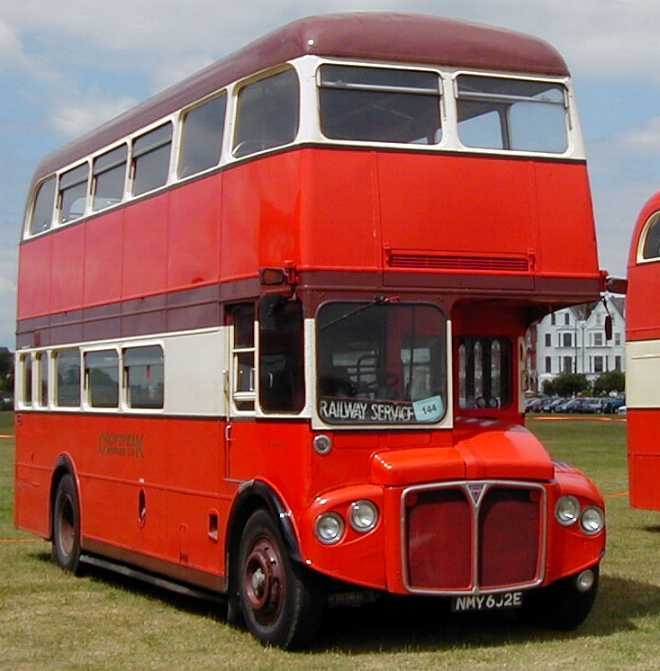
496, 241
643, 324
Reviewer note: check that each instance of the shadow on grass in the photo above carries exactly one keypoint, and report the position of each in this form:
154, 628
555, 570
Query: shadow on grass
652, 528
214, 607
401, 624
425, 625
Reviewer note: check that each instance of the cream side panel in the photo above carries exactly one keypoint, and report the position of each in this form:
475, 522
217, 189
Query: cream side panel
643, 374
194, 380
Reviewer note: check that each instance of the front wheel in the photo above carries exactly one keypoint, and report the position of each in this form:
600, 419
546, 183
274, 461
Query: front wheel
66, 525
562, 605
281, 602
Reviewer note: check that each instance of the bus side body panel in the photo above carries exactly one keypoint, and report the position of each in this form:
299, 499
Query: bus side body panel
318, 209
644, 458
643, 370
537, 211
178, 464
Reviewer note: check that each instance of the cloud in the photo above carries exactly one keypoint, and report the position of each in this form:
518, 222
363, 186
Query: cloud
11, 48
8, 267
599, 38
88, 111
644, 139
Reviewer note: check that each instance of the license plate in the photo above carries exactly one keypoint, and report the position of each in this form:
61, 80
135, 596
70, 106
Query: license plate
474, 602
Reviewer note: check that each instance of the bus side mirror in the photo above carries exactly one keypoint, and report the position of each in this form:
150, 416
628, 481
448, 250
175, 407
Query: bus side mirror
608, 327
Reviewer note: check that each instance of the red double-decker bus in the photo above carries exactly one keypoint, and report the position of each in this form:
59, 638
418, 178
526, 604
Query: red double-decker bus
271, 328
643, 359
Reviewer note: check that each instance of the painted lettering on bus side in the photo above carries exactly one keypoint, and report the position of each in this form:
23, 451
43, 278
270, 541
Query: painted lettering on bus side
121, 445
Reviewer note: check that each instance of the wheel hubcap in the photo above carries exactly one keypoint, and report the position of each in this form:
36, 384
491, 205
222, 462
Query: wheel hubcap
67, 530
264, 581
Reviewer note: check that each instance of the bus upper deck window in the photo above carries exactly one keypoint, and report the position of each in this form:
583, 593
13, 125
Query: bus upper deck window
109, 176
380, 105
652, 238
151, 159
73, 193
42, 213
268, 113
202, 136
511, 114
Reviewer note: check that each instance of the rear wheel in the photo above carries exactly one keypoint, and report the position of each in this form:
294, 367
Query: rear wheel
562, 605
66, 525
280, 601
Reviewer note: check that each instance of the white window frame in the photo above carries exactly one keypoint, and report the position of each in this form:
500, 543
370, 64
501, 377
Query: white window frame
652, 220
233, 354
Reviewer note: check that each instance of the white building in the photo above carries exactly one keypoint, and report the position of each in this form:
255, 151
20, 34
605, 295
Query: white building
572, 340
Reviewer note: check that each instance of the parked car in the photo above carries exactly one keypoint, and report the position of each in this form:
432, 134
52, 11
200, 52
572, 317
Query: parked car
611, 405
555, 404
567, 405
6, 402
589, 406
534, 404
623, 410
547, 404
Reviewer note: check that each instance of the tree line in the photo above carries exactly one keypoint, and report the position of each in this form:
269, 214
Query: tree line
570, 384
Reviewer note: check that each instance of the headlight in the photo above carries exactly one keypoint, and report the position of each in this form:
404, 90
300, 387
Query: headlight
567, 510
329, 528
592, 520
364, 516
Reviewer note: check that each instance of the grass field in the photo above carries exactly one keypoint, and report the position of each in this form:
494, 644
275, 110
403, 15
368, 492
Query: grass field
50, 620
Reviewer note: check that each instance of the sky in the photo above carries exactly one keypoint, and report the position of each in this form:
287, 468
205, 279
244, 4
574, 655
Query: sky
68, 66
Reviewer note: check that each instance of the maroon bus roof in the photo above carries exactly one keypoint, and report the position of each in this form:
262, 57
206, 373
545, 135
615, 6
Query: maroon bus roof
405, 38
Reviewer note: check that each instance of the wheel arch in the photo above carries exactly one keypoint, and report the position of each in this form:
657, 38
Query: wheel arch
254, 495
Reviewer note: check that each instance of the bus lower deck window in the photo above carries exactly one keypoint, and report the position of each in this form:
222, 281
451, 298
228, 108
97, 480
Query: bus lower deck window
381, 363
281, 355
67, 367
102, 378
243, 351
42, 367
484, 372
144, 376
26, 366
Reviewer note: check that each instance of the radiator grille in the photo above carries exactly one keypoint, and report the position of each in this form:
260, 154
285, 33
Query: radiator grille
445, 557
457, 262
509, 531
487, 537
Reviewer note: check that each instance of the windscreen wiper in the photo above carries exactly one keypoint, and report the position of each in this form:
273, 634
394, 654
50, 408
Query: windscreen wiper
379, 300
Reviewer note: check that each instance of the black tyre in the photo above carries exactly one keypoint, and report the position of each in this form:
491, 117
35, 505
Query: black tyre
561, 606
66, 525
281, 602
